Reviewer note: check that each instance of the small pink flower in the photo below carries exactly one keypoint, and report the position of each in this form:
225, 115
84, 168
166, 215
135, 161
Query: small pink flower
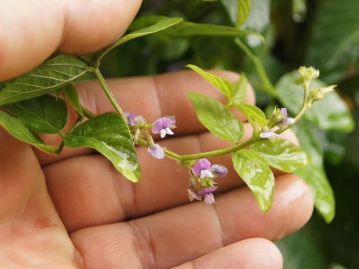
156, 151
164, 126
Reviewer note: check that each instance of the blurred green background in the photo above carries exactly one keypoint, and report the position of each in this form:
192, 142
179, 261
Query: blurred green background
324, 34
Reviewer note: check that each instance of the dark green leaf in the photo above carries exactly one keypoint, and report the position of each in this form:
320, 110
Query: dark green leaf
221, 84
46, 78
238, 10
45, 114
17, 129
216, 118
72, 96
254, 171
335, 35
281, 154
331, 113
151, 24
202, 29
254, 115
109, 135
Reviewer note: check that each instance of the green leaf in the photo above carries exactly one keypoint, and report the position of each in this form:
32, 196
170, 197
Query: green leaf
151, 24
72, 96
314, 173
240, 89
109, 135
281, 154
45, 114
238, 10
17, 129
324, 197
254, 171
221, 84
331, 113
48, 77
188, 29
216, 118
254, 115
335, 35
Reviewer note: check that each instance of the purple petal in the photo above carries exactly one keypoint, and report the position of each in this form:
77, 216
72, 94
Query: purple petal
131, 118
208, 190
284, 112
163, 123
202, 164
156, 151
219, 171
209, 199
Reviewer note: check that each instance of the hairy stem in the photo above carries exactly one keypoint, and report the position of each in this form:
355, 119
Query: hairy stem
108, 92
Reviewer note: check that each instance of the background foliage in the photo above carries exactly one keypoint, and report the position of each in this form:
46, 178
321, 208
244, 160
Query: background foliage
319, 33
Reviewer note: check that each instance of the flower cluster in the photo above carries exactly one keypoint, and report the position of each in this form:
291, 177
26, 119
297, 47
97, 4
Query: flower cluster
162, 126
279, 119
203, 180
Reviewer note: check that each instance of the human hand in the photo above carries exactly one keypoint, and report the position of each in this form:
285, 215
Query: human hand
76, 211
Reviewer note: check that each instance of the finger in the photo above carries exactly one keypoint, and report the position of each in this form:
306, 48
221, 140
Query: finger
151, 97
254, 253
63, 25
74, 184
175, 236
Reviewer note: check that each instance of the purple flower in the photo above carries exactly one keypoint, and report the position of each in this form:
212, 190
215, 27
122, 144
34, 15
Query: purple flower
219, 171
207, 194
285, 120
133, 119
164, 125
156, 151
202, 168
268, 135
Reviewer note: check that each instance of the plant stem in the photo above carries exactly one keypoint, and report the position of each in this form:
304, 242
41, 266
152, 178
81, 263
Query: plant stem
108, 92
267, 84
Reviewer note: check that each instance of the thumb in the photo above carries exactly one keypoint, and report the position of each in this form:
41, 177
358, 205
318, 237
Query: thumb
32, 30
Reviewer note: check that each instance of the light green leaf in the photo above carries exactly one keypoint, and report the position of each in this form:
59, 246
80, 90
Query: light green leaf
254, 115
109, 135
151, 24
238, 10
48, 77
216, 118
314, 173
331, 113
221, 84
254, 171
281, 154
45, 114
240, 89
17, 129
72, 96
322, 191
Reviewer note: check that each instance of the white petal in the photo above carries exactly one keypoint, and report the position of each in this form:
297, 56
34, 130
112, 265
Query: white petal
169, 131
206, 173
163, 133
